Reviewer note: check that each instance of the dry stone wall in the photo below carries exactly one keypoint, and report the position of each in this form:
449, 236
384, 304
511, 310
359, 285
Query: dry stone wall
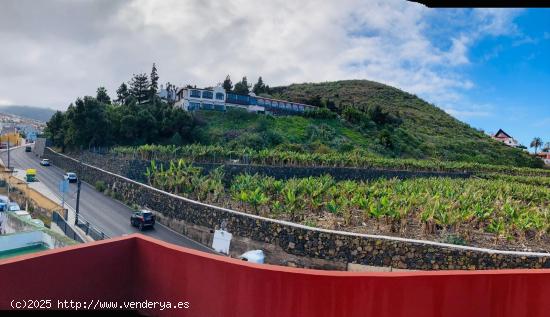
304, 246
135, 169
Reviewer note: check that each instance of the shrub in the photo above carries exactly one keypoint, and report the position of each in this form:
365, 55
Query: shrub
100, 186
321, 113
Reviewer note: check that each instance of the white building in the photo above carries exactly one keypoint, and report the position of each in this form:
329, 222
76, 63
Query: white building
191, 99
505, 138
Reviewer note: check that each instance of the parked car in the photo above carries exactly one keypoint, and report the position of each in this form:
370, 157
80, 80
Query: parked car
71, 177
13, 207
28, 148
23, 214
142, 219
45, 162
4, 200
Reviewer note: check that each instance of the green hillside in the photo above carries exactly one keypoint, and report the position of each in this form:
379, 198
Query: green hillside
381, 119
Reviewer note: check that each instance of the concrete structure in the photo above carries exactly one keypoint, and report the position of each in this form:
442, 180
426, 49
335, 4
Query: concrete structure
167, 93
191, 99
144, 270
505, 138
545, 156
30, 132
19, 232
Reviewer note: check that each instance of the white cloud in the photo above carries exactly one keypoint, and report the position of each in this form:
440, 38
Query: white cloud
5, 102
200, 41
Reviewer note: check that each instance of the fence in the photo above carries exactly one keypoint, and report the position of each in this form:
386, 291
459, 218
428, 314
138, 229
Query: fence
89, 229
65, 227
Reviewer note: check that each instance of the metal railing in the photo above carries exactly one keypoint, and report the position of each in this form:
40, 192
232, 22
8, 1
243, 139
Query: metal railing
65, 227
90, 229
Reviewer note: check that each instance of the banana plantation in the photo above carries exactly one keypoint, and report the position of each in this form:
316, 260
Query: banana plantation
357, 158
488, 210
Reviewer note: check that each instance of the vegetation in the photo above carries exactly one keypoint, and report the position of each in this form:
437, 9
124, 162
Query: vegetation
536, 143
137, 117
414, 129
440, 208
353, 116
358, 124
356, 158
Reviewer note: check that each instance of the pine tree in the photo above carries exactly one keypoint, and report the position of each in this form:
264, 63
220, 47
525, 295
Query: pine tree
242, 87
259, 87
122, 93
102, 95
139, 87
154, 85
227, 84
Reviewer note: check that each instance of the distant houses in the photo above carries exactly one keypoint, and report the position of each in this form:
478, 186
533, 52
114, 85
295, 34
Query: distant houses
505, 138
545, 156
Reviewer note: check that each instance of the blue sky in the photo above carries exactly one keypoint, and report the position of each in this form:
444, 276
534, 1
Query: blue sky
511, 79
487, 67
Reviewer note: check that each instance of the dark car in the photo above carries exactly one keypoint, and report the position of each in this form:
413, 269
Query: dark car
142, 219
28, 148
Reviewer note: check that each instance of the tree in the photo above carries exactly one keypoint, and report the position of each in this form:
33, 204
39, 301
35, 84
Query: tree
176, 139
54, 129
259, 87
122, 93
536, 143
82, 122
242, 87
154, 85
227, 84
102, 96
546, 147
139, 88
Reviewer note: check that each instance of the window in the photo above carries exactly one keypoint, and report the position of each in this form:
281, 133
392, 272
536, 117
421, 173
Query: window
231, 97
207, 94
194, 106
219, 107
219, 96
260, 102
195, 93
207, 106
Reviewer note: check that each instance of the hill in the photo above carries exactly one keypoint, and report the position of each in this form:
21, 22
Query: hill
30, 112
415, 128
385, 121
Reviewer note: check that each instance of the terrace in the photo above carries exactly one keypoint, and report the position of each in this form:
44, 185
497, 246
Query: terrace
21, 236
219, 286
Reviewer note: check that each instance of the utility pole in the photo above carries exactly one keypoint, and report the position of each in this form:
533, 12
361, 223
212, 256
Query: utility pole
77, 200
9, 154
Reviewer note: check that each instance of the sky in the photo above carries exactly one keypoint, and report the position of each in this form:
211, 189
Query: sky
487, 67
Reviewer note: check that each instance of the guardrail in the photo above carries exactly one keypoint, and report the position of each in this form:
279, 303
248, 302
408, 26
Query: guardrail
90, 229
65, 227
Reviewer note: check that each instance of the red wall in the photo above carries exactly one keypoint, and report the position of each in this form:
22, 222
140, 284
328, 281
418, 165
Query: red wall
141, 268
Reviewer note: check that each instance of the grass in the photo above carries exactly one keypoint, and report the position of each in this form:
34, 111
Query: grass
425, 131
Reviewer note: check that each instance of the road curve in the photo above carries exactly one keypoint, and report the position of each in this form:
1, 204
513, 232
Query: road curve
105, 213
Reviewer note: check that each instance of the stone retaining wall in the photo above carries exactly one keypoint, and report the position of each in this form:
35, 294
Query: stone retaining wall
311, 247
135, 169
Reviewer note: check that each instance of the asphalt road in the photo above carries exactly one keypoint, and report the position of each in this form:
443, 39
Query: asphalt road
109, 215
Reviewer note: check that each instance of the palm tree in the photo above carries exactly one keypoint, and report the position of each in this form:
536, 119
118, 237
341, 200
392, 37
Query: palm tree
546, 147
536, 143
